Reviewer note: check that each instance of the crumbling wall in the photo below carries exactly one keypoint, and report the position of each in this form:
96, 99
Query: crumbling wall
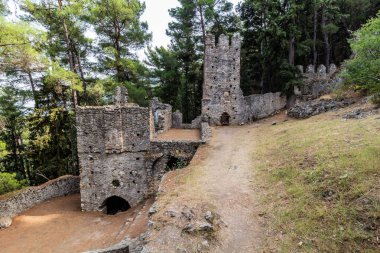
259, 106
317, 83
162, 115
205, 132
17, 202
177, 119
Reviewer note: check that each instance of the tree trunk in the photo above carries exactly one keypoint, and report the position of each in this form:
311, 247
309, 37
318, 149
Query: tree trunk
315, 53
69, 53
291, 50
36, 104
326, 40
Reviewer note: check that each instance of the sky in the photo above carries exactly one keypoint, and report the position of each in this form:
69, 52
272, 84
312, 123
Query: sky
157, 16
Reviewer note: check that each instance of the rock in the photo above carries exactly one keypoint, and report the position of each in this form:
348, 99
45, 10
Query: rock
274, 123
5, 222
307, 109
203, 246
357, 114
209, 216
171, 213
150, 224
205, 227
188, 213
188, 228
153, 209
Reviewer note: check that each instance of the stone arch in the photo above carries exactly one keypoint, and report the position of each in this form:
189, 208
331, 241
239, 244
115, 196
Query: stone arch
225, 119
115, 204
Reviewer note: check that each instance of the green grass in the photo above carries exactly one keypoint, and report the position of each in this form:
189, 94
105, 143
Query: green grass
322, 184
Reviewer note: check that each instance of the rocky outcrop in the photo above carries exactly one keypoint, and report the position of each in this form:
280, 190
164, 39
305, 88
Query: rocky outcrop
307, 109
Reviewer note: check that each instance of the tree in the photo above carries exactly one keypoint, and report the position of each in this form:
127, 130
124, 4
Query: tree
66, 42
362, 71
120, 32
12, 112
19, 53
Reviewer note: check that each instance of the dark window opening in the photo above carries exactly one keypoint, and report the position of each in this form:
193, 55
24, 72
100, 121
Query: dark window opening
114, 205
174, 163
225, 119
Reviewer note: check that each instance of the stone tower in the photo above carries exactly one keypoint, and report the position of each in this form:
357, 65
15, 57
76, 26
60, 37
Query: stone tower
223, 101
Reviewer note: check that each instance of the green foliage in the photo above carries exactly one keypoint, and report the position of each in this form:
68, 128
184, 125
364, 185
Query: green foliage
363, 70
119, 31
9, 183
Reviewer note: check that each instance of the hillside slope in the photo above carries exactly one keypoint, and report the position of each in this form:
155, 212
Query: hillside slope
297, 186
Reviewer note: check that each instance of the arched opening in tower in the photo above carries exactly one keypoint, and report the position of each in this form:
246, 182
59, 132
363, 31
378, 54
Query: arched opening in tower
114, 205
225, 119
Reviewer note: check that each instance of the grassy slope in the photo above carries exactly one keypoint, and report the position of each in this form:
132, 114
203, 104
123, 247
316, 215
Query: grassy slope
321, 183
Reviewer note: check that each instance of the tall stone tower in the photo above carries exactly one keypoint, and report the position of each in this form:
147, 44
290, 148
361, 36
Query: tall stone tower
223, 101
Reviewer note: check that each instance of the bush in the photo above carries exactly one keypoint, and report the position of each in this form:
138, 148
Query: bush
362, 72
8, 183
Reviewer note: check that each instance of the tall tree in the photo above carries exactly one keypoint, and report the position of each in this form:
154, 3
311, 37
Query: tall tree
66, 42
120, 32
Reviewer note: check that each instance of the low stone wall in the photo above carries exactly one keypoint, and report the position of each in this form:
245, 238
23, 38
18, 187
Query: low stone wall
259, 106
14, 203
205, 132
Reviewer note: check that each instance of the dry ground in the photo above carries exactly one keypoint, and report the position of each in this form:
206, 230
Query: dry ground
59, 226
295, 186
180, 135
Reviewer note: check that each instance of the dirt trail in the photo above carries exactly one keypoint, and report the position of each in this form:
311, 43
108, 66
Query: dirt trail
228, 182
221, 176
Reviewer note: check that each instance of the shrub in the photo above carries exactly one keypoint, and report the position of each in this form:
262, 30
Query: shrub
8, 183
362, 72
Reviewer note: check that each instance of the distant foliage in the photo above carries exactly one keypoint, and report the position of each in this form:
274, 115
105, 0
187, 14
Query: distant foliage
362, 72
8, 183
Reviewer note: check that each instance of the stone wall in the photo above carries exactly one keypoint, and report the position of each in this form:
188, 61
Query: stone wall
117, 154
177, 119
112, 147
162, 115
317, 83
205, 132
14, 203
259, 106
223, 102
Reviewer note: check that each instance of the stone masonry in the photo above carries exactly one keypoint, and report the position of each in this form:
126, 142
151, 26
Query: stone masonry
117, 154
223, 101
222, 95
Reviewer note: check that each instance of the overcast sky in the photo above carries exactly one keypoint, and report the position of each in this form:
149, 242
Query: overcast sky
157, 16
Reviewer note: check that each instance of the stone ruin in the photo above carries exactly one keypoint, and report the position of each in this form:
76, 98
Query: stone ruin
317, 83
223, 101
122, 161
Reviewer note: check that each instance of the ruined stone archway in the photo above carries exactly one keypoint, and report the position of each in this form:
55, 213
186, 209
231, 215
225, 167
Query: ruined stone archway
114, 205
225, 119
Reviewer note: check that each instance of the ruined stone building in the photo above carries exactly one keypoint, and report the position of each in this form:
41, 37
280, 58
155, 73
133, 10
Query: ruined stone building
122, 161
223, 101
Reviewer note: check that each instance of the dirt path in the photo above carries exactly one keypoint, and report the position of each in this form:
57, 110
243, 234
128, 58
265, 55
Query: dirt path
228, 182
58, 225
220, 177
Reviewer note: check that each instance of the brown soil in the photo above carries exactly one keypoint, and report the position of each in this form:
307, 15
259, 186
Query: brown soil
221, 177
180, 135
58, 225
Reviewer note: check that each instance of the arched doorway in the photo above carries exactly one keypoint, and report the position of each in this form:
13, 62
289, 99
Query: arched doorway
114, 205
225, 119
